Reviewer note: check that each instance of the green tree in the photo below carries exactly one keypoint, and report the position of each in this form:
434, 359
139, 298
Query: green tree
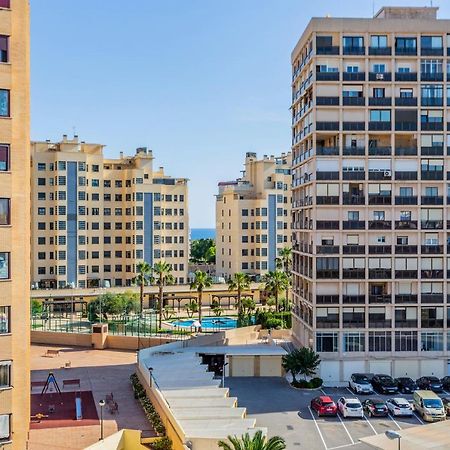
203, 251
162, 273
256, 442
275, 282
36, 307
239, 282
143, 278
191, 308
303, 361
201, 281
248, 305
284, 262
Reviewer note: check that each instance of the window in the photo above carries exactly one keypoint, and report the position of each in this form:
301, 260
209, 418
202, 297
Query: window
4, 211
354, 342
431, 66
4, 158
353, 41
379, 68
5, 312
406, 93
406, 44
95, 182
4, 103
406, 341
353, 215
4, 265
327, 342
431, 42
378, 92
432, 341
5, 427
352, 69
380, 115
5, 374
4, 49
406, 191
378, 41
380, 341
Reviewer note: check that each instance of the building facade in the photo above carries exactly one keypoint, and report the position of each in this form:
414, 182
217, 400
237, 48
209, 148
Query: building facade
14, 224
253, 216
94, 218
371, 186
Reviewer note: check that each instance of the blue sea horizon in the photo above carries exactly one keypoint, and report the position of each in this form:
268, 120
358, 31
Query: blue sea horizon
203, 233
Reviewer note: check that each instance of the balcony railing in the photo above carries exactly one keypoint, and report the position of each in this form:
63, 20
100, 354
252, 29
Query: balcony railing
353, 126
432, 298
428, 274
380, 76
353, 249
380, 101
377, 274
383, 51
406, 151
437, 76
406, 249
327, 175
380, 126
405, 76
327, 200
432, 249
327, 299
326, 324
380, 174
327, 101
406, 126
327, 76
431, 126
380, 151
354, 151
380, 298
327, 224
405, 51
380, 323
431, 51
327, 273
353, 50
354, 224
406, 274
406, 323
349, 199
358, 274
407, 176
380, 249
432, 224
378, 199
406, 200
432, 200
432, 323
327, 126
357, 175
354, 324
327, 151
406, 298
380, 224
405, 101
406, 224
329, 50
327, 249
353, 299
354, 76
436, 150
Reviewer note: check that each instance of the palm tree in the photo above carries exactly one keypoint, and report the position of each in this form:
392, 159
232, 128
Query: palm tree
143, 278
257, 442
284, 262
163, 277
274, 282
239, 282
303, 361
201, 281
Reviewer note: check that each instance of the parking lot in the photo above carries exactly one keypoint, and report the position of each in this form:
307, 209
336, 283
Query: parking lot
285, 412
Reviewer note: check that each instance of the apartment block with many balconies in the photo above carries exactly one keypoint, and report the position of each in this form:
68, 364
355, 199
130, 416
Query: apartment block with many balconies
371, 189
253, 217
94, 218
14, 224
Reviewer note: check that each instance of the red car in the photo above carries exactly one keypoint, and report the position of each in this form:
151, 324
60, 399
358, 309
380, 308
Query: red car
324, 406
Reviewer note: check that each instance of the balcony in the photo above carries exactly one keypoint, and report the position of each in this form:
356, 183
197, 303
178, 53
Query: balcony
436, 150
327, 76
354, 50
406, 175
380, 174
377, 76
406, 249
353, 126
353, 101
356, 175
406, 298
327, 151
321, 323
327, 126
431, 51
378, 199
432, 224
327, 200
406, 126
380, 323
327, 273
354, 224
432, 298
438, 76
327, 299
354, 323
405, 101
329, 50
406, 200
327, 175
358, 274
406, 151
380, 151
378, 274
327, 224
353, 299
354, 249
432, 200
406, 224
380, 51
380, 298
432, 249
431, 126
412, 323
405, 51
380, 126
349, 199
354, 76
406, 274
429, 274
354, 151
380, 249
432, 323
327, 249
327, 101
405, 76
380, 224
432, 175
380, 101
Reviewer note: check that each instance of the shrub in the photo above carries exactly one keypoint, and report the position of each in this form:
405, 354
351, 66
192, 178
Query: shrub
273, 322
316, 382
162, 444
302, 384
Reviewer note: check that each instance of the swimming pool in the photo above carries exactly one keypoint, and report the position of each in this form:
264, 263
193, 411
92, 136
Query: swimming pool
208, 323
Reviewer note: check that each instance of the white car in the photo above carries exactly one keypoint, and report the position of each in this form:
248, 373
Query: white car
350, 407
399, 407
360, 384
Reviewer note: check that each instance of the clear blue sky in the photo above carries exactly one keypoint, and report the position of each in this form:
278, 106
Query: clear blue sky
200, 82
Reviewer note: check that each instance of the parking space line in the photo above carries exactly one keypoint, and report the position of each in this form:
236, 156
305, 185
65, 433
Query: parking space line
345, 428
349, 390
343, 446
318, 429
445, 392
393, 420
371, 426
418, 418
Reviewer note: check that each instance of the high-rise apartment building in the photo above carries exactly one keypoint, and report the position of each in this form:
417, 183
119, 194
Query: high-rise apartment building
14, 224
371, 189
94, 218
253, 216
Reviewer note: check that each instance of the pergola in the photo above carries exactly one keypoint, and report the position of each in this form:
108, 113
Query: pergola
64, 306
178, 299
229, 296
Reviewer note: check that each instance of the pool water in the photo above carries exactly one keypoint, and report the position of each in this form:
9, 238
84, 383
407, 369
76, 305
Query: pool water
208, 323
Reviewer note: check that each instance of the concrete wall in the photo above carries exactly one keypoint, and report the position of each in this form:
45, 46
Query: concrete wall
122, 440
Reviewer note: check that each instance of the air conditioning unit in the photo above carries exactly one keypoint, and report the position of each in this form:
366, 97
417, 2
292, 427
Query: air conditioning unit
387, 173
380, 76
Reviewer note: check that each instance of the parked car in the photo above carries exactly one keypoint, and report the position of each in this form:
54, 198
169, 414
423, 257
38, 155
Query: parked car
384, 384
429, 406
350, 407
359, 383
399, 407
324, 406
446, 383
375, 407
430, 383
446, 402
406, 385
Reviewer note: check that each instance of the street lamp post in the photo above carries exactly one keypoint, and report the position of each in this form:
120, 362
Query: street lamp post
391, 434
102, 404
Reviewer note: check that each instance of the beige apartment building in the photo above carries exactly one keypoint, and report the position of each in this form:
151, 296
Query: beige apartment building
253, 217
14, 223
94, 219
371, 188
